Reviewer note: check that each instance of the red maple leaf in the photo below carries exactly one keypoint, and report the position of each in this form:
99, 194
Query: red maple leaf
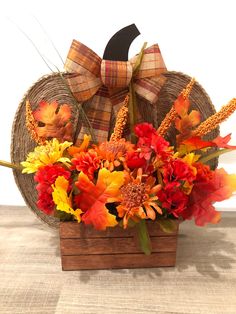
216, 187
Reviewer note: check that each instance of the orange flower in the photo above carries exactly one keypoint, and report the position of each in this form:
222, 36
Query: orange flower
138, 198
88, 162
113, 153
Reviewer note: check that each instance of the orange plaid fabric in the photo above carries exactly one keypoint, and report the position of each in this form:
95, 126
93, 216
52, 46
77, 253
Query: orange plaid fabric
101, 85
115, 74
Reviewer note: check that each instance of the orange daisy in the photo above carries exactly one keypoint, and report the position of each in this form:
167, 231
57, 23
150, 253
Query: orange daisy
138, 198
113, 152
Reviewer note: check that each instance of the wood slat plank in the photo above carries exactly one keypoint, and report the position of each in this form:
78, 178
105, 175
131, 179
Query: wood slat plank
87, 262
75, 230
114, 245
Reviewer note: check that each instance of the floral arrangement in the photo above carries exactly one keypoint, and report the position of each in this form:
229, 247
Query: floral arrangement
124, 183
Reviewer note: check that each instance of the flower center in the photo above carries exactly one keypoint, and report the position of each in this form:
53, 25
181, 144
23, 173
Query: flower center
133, 194
116, 148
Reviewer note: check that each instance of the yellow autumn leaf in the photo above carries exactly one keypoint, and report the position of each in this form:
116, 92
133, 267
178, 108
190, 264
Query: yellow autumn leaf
61, 199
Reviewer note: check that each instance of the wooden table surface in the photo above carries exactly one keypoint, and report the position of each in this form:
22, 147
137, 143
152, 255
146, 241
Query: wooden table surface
31, 279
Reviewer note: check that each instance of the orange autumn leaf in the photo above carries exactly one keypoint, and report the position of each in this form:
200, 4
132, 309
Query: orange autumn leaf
222, 142
182, 105
185, 122
53, 121
93, 198
196, 143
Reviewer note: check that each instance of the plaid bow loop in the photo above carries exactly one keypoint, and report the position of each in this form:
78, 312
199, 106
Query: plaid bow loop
116, 74
103, 84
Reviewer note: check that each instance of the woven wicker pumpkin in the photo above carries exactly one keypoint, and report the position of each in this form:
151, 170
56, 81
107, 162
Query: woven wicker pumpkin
52, 87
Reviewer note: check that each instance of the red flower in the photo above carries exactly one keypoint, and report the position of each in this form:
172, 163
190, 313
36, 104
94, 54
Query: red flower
176, 170
88, 162
45, 203
204, 172
133, 160
160, 146
173, 199
46, 176
149, 140
145, 131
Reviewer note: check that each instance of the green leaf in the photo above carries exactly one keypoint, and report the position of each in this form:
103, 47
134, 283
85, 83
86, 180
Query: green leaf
63, 216
203, 160
139, 59
132, 96
144, 239
131, 223
167, 225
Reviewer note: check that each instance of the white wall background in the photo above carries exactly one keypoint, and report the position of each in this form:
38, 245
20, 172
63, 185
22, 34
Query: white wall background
195, 37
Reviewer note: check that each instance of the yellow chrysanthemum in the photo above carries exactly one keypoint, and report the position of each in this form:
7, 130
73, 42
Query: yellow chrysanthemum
62, 200
42, 155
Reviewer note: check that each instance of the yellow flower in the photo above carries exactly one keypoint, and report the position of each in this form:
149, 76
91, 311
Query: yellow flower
62, 200
42, 155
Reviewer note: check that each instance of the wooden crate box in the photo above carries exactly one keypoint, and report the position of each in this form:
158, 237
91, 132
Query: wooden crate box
83, 247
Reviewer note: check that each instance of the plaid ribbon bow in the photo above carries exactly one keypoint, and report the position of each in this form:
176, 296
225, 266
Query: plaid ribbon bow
103, 84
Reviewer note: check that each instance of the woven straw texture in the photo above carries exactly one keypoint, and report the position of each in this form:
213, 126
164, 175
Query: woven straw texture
53, 87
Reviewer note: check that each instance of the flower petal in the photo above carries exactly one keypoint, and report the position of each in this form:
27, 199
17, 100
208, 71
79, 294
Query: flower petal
150, 212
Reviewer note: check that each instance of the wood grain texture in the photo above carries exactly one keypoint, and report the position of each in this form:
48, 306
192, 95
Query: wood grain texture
75, 230
117, 261
114, 245
83, 247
